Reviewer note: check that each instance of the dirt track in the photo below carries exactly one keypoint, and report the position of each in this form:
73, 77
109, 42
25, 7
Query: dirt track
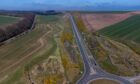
40, 42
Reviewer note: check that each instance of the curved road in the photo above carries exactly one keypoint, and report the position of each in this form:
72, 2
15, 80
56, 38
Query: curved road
92, 69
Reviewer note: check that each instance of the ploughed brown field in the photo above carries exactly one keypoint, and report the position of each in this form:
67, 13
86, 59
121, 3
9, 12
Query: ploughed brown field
97, 21
104, 81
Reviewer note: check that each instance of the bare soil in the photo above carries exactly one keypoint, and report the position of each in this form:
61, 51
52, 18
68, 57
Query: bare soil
137, 82
95, 21
104, 81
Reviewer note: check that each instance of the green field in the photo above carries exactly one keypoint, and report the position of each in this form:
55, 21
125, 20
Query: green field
7, 19
126, 32
50, 18
128, 29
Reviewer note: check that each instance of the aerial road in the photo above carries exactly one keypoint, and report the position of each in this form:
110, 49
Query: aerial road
92, 70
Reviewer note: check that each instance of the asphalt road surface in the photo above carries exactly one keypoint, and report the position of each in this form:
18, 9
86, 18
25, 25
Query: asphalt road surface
92, 70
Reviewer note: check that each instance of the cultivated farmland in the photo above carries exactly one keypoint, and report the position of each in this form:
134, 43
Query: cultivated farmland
5, 20
128, 29
126, 32
99, 20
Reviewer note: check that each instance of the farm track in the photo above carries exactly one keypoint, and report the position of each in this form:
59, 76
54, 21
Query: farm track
40, 42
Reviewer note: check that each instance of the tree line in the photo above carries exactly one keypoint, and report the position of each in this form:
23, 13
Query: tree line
17, 28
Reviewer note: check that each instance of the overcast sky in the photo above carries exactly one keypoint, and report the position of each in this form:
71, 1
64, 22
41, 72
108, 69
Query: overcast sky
33, 4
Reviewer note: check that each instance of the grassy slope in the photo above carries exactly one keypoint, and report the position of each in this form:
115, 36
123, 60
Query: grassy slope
126, 32
74, 66
7, 19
